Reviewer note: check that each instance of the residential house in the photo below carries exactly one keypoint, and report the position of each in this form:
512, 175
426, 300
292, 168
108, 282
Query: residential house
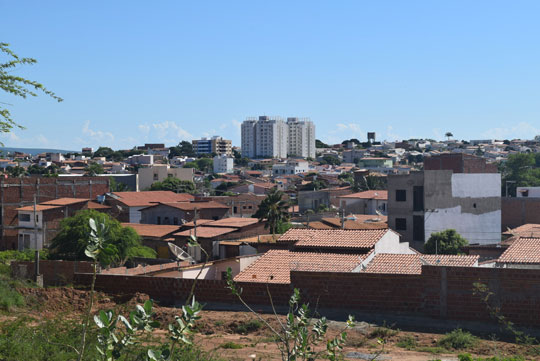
178, 213
155, 236
223, 164
290, 167
126, 206
160, 172
367, 202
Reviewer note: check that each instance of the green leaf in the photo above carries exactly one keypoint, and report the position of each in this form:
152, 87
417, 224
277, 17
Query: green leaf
148, 306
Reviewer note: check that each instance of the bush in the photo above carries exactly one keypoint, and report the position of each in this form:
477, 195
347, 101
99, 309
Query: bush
407, 342
9, 297
251, 326
458, 339
383, 332
231, 345
468, 357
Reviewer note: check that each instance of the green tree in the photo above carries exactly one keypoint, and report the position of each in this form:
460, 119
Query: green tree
103, 152
370, 182
94, 169
17, 85
116, 186
320, 144
122, 243
174, 185
274, 210
183, 149
445, 242
521, 169
16, 172
330, 159
448, 135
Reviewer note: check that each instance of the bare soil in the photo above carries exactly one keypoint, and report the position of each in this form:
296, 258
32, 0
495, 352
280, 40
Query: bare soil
217, 329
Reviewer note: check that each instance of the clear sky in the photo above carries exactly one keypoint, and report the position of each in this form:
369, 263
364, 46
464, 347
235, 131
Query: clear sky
163, 71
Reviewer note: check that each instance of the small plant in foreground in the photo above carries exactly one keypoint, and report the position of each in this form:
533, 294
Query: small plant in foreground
458, 340
300, 334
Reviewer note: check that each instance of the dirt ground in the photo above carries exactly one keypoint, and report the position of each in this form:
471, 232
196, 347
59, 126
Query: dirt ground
225, 333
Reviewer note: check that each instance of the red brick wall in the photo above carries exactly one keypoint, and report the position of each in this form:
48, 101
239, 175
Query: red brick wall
459, 163
439, 292
54, 272
518, 211
19, 192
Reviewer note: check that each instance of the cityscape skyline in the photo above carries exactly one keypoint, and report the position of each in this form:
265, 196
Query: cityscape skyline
187, 73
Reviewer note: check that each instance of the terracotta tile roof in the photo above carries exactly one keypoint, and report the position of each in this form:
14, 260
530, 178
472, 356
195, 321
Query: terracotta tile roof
96, 205
526, 230
200, 222
275, 265
412, 263
522, 250
147, 198
380, 195
39, 208
238, 222
152, 230
335, 238
319, 225
190, 206
65, 201
206, 232
335, 223
261, 238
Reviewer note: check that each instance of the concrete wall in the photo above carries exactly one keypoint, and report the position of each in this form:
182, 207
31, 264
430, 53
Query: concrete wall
312, 200
54, 273
468, 203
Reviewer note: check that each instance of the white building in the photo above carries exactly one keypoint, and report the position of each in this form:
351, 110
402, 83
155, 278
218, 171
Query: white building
301, 137
531, 192
265, 137
159, 172
290, 167
139, 159
223, 164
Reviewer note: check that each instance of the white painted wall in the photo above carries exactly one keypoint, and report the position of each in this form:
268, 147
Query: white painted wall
482, 228
389, 243
481, 185
534, 192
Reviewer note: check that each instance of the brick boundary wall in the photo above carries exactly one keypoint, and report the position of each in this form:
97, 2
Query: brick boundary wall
439, 292
54, 273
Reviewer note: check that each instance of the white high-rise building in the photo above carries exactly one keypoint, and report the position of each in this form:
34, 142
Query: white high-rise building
265, 137
301, 137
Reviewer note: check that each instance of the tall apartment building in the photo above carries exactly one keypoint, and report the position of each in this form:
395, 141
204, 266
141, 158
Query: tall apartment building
216, 145
301, 137
265, 137
271, 137
455, 191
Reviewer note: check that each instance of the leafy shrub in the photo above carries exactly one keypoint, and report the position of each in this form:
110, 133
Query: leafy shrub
468, 357
250, 326
407, 342
9, 297
231, 345
383, 332
458, 339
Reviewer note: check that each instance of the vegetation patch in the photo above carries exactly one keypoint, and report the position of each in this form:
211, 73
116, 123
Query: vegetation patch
458, 340
231, 345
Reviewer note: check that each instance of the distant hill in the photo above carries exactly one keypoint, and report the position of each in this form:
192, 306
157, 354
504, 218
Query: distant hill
33, 151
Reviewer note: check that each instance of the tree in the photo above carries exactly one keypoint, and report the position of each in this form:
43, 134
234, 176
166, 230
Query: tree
94, 169
116, 186
521, 169
320, 144
448, 135
274, 210
122, 243
330, 159
103, 152
16, 171
370, 183
183, 149
174, 185
445, 242
17, 85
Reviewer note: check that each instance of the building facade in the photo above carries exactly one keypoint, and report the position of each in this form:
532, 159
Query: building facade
158, 173
223, 164
271, 137
216, 145
458, 192
301, 137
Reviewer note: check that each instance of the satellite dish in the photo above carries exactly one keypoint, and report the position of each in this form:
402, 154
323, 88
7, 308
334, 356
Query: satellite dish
180, 254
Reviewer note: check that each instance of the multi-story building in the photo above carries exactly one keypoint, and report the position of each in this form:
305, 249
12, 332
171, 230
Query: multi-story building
216, 145
290, 167
455, 191
301, 137
271, 137
223, 164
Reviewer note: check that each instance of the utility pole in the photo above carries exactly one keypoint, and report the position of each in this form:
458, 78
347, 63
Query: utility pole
38, 279
195, 222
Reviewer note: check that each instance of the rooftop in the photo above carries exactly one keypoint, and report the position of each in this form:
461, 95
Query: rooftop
206, 232
147, 198
233, 222
190, 206
378, 194
39, 208
522, 250
526, 230
275, 266
65, 201
335, 238
412, 263
152, 230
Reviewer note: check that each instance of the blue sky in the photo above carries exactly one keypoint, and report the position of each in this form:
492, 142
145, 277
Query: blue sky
138, 71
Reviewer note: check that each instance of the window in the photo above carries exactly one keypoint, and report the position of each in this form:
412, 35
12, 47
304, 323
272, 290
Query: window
401, 224
418, 228
155, 176
37, 218
235, 209
418, 198
401, 195
24, 217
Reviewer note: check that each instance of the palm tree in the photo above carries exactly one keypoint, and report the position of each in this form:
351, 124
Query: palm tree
274, 210
448, 135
